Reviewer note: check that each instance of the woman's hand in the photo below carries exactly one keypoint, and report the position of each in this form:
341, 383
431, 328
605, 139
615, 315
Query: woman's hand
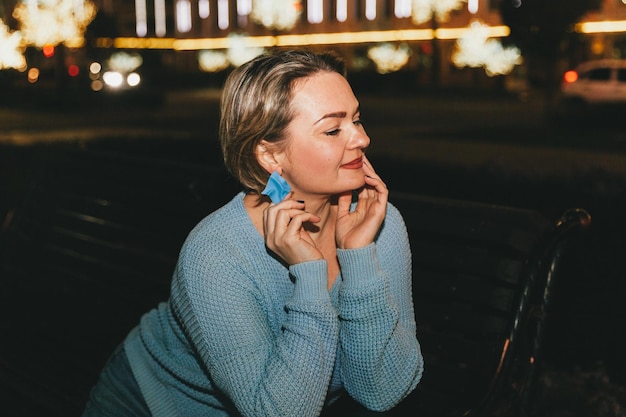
285, 235
359, 228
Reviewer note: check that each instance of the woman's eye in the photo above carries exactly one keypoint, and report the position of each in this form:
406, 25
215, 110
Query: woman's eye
358, 122
333, 132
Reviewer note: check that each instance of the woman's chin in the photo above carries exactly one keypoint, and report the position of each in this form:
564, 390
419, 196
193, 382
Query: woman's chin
355, 185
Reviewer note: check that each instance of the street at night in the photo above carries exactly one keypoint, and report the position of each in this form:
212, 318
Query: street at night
490, 149
148, 266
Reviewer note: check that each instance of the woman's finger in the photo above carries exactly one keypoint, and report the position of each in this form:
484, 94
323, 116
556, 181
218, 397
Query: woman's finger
274, 212
368, 169
375, 184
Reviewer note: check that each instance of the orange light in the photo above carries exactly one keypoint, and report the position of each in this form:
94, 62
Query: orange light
33, 75
73, 70
570, 76
48, 50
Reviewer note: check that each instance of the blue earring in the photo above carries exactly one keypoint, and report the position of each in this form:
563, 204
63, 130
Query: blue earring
277, 188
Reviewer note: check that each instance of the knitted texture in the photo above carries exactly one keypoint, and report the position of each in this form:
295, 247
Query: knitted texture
242, 334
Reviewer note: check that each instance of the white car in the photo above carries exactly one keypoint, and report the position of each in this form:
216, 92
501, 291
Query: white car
596, 82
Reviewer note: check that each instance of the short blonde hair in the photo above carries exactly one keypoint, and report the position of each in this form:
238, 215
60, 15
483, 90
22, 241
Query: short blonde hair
256, 106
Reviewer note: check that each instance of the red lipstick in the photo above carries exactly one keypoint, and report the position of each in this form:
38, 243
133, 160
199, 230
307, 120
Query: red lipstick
355, 164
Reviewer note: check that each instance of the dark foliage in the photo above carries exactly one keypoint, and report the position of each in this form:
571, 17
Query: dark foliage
541, 29
539, 26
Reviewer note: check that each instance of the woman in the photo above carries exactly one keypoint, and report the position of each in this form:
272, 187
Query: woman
278, 308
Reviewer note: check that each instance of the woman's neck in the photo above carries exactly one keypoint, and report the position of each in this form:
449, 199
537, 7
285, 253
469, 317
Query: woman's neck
326, 211
324, 208
322, 232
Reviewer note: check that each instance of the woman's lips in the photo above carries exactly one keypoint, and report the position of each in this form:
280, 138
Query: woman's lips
355, 164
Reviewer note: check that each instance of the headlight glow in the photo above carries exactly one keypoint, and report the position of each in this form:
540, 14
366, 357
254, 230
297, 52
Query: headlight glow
113, 78
133, 79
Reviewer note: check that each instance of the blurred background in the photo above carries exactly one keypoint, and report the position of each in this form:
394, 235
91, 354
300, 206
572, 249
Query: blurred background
516, 102
92, 48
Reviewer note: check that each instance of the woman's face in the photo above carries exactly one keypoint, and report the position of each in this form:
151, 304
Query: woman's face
326, 139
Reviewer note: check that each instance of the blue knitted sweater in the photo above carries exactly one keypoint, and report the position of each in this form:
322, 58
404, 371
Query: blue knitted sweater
242, 334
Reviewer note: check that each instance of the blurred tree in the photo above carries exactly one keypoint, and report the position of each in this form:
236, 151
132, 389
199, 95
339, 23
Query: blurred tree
57, 24
541, 28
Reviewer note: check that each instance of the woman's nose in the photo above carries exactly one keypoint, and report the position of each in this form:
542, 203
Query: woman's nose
360, 140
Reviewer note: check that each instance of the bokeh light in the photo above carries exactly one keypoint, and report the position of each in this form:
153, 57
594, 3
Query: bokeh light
11, 49
239, 53
475, 49
570, 76
388, 57
95, 68
54, 21
424, 10
73, 70
133, 79
113, 79
212, 61
48, 50
276, 14
33, 75
97, 85
125, 62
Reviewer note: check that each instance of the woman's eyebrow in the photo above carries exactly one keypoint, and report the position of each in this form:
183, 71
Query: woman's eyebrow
333, 115
336, 115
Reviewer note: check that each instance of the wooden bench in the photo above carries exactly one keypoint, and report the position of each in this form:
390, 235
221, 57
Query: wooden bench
482, 281
89, 240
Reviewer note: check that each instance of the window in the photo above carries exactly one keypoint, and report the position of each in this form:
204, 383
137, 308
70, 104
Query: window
204, 9
597, 74
223, 21
402, 8
141, 18
472, 6
160, 15
315, 11
342, 10
370, 9
183, 16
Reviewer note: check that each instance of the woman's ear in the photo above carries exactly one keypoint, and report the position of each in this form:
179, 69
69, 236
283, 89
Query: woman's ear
266, 155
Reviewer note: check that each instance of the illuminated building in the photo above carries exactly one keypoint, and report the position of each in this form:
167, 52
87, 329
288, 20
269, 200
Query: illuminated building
604, 31
182, 28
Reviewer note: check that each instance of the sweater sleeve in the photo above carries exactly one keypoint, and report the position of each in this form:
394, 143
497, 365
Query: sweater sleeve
380, 356
263, 371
